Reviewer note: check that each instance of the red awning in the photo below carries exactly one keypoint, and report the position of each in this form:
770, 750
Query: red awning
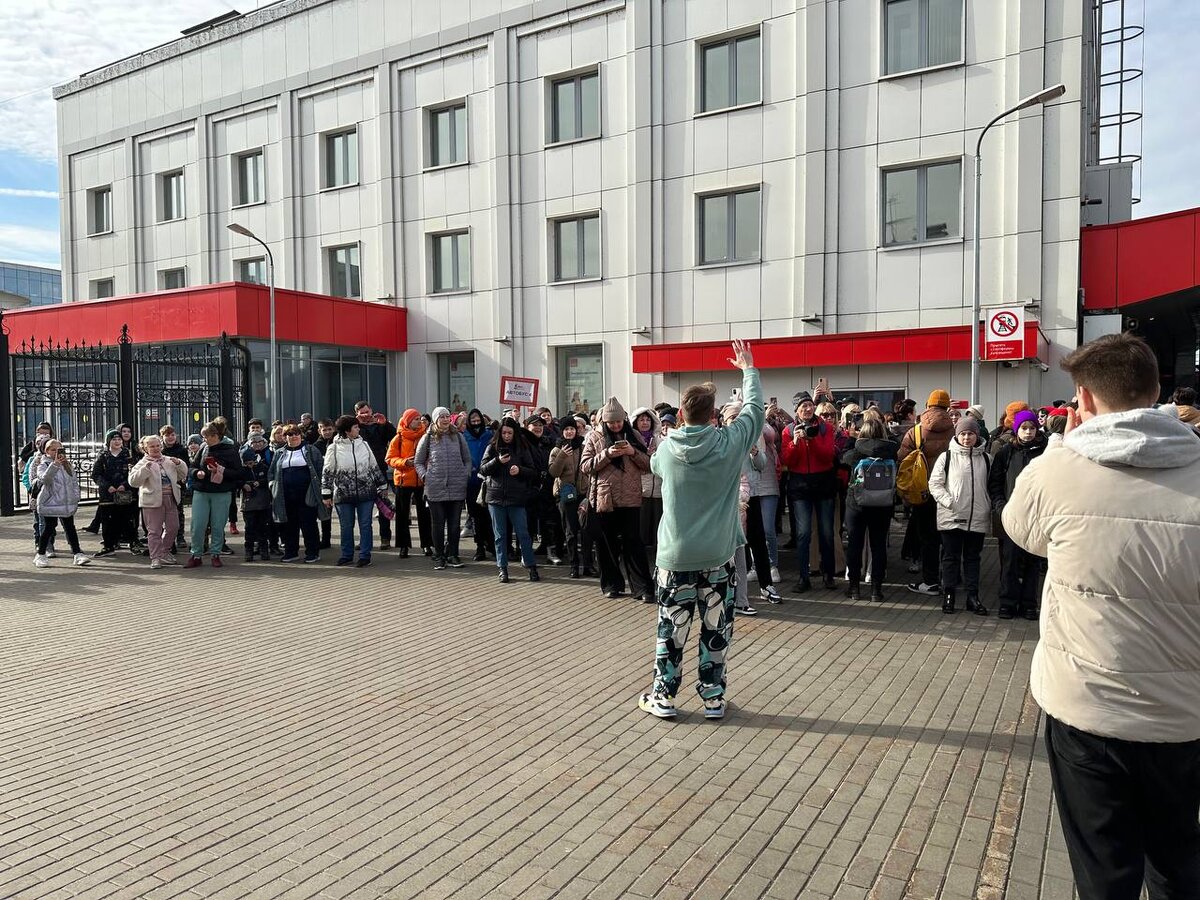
202, 313
1128, 262
915, 345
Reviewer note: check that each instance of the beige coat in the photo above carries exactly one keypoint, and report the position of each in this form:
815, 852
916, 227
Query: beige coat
613, 487
146, 478
1115, 507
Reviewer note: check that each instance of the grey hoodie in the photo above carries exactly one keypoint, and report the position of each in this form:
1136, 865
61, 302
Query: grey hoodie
1141, 438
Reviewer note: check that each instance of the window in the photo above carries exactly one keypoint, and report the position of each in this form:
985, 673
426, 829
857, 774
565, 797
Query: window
248, 178
252, 271
922, 203
343, 271
580, 379
341, 158
172, 279
170, 193
456, 381
729, 227
730, 72
575, 107
451, 261
101, 288
576, 248
99, 210
921, 33
448, 135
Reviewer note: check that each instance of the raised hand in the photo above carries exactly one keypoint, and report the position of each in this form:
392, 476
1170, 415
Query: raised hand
742, 357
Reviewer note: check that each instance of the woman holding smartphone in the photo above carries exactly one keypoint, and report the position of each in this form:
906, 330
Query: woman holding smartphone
510, 483
57, 500
615, 458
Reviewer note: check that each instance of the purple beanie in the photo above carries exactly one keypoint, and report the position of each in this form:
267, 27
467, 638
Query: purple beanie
1022, 417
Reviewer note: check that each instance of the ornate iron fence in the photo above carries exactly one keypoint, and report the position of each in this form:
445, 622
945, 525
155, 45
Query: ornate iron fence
85, 390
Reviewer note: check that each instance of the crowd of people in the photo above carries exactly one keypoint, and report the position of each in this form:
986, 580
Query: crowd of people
575, 491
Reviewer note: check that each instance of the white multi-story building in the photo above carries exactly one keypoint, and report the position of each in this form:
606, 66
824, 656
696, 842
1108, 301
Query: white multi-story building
548, 185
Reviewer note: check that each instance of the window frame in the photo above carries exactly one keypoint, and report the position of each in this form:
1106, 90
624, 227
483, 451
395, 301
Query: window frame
553, 256
165, 274
435, 266
731, 228
237, 183
163, 194
429, 115
328, 253
239, 263
923, 65
922, 168
730, 39
92, 194
326, 138
94, 288
576, 77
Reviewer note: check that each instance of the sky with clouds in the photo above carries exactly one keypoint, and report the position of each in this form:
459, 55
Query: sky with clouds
54, 41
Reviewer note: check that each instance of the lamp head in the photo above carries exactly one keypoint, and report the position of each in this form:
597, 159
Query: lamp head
1045, 95
240, 229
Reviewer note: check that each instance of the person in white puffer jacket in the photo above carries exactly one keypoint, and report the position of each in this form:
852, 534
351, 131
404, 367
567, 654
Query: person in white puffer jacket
1114, 506
958, 484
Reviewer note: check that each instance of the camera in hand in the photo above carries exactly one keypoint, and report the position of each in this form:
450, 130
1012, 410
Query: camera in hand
812, 429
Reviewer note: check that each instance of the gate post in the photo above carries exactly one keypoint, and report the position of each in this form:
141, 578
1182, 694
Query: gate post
7, 471
126, 390
225, 381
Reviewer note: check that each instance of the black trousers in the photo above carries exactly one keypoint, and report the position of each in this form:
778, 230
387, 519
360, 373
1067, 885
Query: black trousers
406, 498
1129, 813
254, 530
118, 523
925, 516
756, 540
49, 523
961, 551
871, 524
573, 533
484, 537
301, 519
446, 518
618, 540
1019, 573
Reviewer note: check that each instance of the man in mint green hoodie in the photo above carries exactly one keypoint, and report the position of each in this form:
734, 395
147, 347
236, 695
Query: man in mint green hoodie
700, 467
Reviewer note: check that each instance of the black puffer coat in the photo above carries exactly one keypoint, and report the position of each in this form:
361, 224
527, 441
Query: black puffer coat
504, 489
227, 455
111, 471
1007, 465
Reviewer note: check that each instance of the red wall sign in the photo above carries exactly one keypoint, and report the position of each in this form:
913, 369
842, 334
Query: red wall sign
1003, 333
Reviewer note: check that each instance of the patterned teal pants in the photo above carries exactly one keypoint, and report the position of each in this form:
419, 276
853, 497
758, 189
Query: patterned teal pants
680, 595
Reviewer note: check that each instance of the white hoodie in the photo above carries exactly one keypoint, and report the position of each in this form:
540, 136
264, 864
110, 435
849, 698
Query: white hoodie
1115, 507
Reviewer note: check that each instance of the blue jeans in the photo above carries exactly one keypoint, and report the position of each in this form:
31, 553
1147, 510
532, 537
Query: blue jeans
769, 503
802, 516
347, 513
210, 512
502, 517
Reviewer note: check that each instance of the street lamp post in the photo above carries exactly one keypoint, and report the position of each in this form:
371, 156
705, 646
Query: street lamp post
272, 392
1043, 96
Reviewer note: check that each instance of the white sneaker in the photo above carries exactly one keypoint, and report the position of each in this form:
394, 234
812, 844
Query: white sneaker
657, 704
923, 588
155, 564
714, 708
41, 561
51, 554
769, 594
751, 575
866, 577
169, 561
775, 576
745, 610
82, 559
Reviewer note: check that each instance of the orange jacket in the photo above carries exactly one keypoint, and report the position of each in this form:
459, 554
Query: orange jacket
403, 450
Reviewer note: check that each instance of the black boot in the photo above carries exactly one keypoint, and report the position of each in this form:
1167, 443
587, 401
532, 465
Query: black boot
480, 555
504, 576
852, 592
249, 557
533, 574
876, 594
574, 572
948, 600
973, 605
803, 586
827, 582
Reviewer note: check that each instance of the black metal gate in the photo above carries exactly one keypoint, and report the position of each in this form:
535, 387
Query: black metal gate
85, 390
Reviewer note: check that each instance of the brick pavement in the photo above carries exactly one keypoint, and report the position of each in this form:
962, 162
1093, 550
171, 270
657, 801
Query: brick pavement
305, 731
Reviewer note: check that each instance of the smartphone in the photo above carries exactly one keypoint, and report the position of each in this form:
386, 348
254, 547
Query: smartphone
620, 444
772, 401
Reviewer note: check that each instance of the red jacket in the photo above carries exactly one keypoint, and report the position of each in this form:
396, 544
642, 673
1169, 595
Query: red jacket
809, 456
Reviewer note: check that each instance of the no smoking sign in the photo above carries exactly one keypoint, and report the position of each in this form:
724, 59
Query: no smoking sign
1004, 337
